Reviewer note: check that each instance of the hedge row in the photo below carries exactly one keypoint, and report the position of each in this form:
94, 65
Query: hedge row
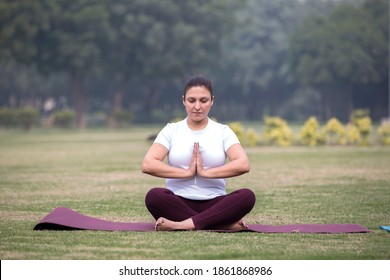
29, 117
277, 132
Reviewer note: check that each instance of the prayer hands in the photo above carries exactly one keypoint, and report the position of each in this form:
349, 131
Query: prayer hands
196, 166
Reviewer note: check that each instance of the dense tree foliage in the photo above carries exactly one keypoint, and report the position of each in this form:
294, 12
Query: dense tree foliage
157, 40
284, 57
342, 52
57, 36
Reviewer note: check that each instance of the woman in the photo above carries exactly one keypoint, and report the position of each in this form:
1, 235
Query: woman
197, 147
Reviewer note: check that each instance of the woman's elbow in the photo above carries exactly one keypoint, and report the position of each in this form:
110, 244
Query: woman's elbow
145, 167
246, 168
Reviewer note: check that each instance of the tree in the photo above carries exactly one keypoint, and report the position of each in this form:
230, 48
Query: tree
258, 54
56, 36
162, 40
341, 51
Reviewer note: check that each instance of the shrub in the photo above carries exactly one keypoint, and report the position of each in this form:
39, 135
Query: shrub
358, 114
27, 117
64, 119
277, 132
239, 130
247, 137
353, 134
310, 134
361, 119
7, 117
24, 117
336, 133
252, 138
384, 133
122, 118
364, 127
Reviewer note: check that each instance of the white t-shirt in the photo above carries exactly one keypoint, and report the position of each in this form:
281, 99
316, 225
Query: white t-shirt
214, 140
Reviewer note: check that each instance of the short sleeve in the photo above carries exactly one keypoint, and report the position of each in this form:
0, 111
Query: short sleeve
164, 136
229, 138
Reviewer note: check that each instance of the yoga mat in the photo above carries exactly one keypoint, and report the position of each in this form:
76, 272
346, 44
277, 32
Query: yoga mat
386, 228
67, 219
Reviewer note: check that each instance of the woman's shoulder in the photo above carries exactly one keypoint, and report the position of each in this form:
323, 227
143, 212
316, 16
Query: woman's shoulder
174, 126
177, 124
216, 124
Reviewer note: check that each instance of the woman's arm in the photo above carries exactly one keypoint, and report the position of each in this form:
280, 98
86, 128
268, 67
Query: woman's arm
238, 164
153, 164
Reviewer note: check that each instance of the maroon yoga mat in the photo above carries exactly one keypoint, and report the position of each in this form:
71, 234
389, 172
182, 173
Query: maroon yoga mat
67, 219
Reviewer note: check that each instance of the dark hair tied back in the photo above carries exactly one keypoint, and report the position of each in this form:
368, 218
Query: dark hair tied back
198, 81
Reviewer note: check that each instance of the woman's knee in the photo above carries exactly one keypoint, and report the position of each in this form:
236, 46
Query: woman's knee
250, 193
152, 195
156, 195
249, 196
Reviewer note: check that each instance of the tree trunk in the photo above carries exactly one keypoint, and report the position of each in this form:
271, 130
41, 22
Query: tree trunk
80, 100
327, 105
118, 100
255, 105
152, 94
350, 101
119, 93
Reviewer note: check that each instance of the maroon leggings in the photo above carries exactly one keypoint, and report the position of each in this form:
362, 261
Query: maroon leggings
206, 214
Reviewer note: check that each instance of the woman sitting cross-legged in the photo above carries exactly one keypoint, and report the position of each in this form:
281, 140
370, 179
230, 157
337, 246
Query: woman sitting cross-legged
197, 148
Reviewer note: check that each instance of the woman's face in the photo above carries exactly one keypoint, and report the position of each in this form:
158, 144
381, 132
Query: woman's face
198, 102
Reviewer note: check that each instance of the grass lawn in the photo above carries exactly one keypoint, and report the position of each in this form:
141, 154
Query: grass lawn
97, 173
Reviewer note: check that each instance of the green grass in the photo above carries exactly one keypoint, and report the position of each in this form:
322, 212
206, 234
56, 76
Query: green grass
97, 172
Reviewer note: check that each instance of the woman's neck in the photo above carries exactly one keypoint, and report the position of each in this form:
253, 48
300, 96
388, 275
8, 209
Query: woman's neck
197, 125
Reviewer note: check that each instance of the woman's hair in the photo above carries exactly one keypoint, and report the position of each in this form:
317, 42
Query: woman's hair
198, 81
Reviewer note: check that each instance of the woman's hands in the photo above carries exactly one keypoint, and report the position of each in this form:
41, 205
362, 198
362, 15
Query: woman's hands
192, 167
153, 164
238, 164
196, 165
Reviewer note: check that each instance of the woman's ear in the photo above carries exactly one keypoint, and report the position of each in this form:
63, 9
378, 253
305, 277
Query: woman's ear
212, 100
183, 99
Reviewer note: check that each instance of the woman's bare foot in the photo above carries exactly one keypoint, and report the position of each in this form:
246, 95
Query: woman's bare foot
163, 224
240, 225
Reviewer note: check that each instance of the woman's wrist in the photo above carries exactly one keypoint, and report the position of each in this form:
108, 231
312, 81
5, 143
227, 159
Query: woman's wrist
188, 173
205, 173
